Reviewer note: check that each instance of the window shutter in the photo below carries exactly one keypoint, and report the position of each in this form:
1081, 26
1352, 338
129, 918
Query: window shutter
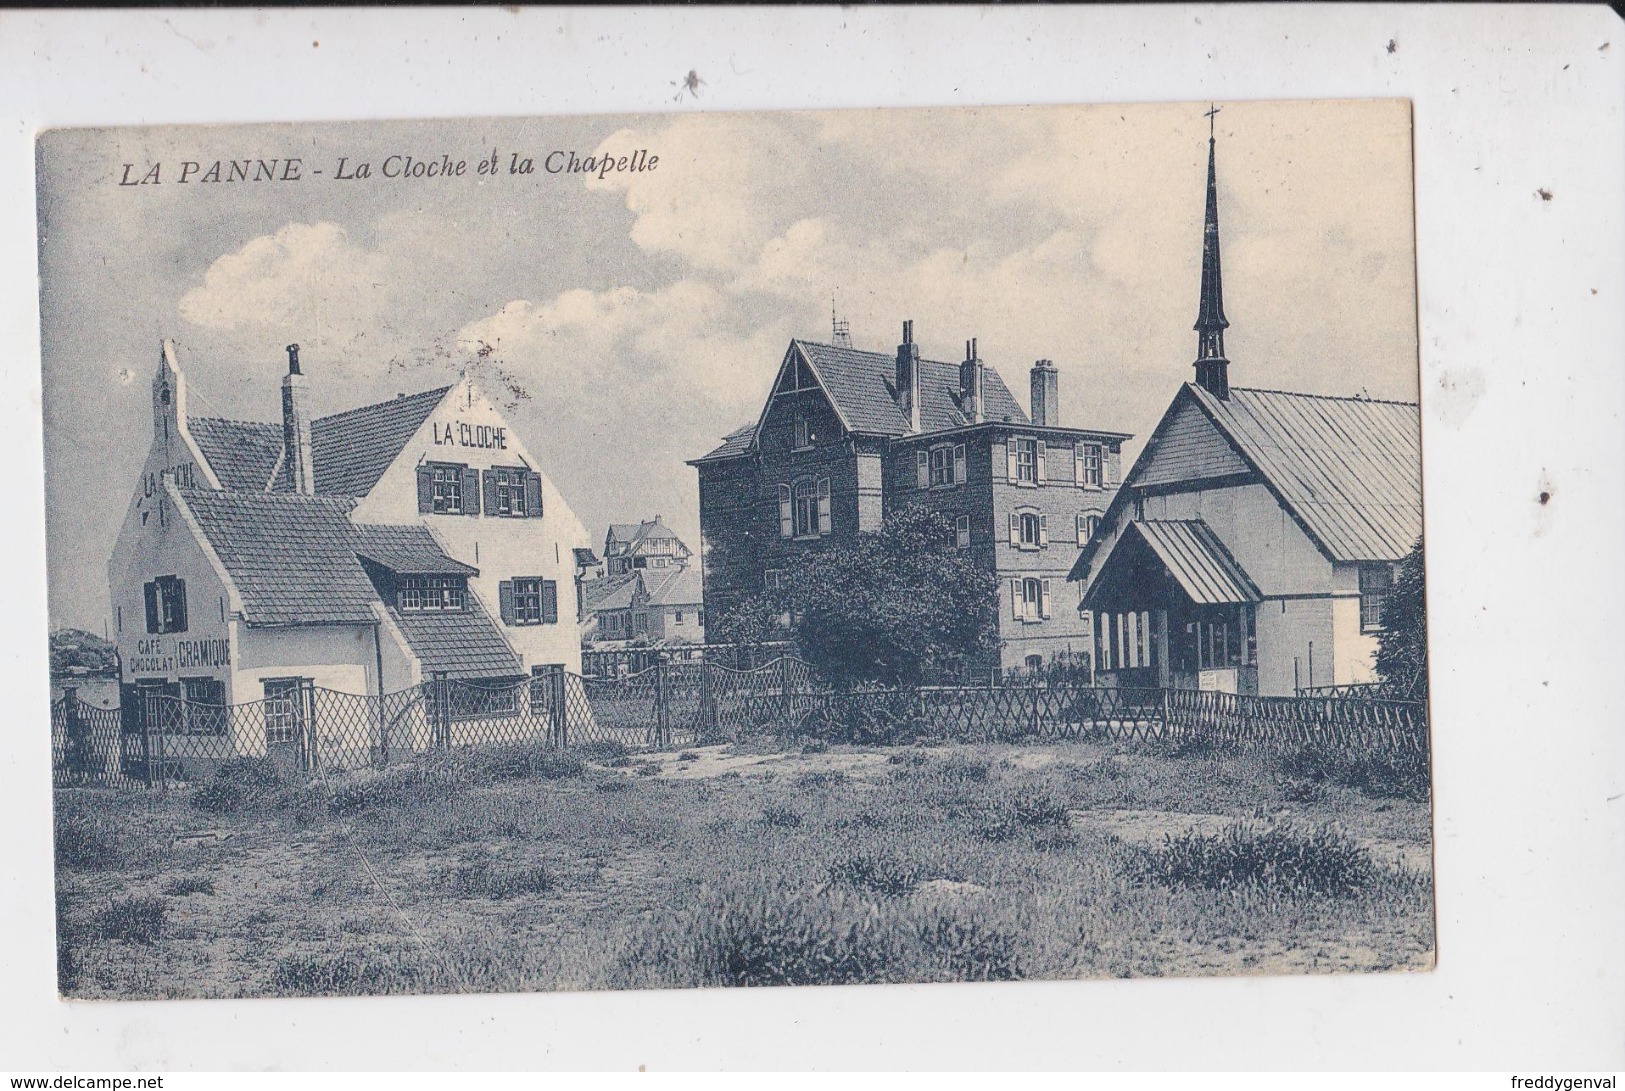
1082, 537
425, 491
922, 469
823, 505
959, 464
962, 531
505, 601
1015, 529
151, 590
1108, 468
787, 527
1077, 464
1010, 459
180, 605
550, 602
487, 495
1040, 462
1043, 530
1015, 599
1044, 609
533, 495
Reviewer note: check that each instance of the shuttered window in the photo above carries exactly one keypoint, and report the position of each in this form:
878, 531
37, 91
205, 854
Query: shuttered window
962, 531
529, 600
166, 604
787, 525
922, 469
446, 488
1029, 598
1088, 526
1025, 458
824, 522
513, 492
959, 463
1088, 463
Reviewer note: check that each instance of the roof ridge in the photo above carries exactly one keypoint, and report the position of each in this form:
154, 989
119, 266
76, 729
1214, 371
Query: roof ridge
233, 420
1322, 397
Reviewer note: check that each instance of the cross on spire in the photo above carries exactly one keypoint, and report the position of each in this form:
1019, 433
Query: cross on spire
1211, 111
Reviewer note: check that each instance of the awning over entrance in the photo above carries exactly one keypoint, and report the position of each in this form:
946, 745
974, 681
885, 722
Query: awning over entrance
1152, 557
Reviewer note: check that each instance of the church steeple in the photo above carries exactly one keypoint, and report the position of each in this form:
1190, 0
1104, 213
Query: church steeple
1212, 369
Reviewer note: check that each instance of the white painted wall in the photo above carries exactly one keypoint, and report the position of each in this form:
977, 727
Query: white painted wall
500, 548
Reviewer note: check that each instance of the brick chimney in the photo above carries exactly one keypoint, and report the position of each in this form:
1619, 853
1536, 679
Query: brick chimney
1046, 397
296, 428
908, 377
972, 397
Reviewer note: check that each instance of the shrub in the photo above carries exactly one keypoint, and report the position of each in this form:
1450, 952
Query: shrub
482, 877
602, 750
520, 763
815, 746
959, 768
136, 919
973, 950
89, 841
237, 784
688, 755
1278, 858
646, 768
881, 875
1383, 774
821, 778
619, 784
183, 885
782, 817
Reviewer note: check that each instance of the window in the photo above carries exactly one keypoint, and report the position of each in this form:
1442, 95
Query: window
204, 712
678, 619
1029, 529
942, 466
446, 483
1376, 583
423, 593
484, 698
528, 600
1025, 459
1088, 526
513, 492
962, 532
787, 524
810, 509
804, 436
1030, 598
1089, 465
166, 605
286, 701
699, 616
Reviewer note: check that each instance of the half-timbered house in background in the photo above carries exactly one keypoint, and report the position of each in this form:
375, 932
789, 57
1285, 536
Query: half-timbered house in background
363, 552
846, 436
1253, 544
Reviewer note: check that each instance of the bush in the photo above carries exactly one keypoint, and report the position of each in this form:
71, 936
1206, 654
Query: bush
136, 919
1277, 858
1382, 774
89, 841
237, 784
822, 778
183, 885
602, 750
782, 817
688, 755
482, 877
519, 763
881, 875
619, 784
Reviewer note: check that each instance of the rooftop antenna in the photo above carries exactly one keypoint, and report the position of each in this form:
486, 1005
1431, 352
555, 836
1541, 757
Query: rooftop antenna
840, 328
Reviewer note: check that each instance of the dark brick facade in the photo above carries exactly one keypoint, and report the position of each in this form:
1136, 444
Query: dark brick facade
804, 439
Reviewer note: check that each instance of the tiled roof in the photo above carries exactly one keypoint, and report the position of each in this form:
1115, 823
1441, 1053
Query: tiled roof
678, 587
407, 550
291, 557
609, 593
1350, 469
1194, 556
242, 454
462, 643
735, 443
351, 450
629, 537
861, 386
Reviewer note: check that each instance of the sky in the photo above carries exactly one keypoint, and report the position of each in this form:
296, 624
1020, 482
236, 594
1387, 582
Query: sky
626, 322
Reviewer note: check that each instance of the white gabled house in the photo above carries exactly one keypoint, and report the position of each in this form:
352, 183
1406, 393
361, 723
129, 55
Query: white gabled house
362, 552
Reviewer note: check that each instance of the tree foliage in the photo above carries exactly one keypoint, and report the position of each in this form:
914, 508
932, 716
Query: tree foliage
1402, 646
76, 651
896, 607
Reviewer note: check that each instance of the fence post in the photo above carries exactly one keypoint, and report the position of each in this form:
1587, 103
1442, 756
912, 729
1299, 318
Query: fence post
74, 760
787, 708
561, 707
442, 711
662, 728
1167, 727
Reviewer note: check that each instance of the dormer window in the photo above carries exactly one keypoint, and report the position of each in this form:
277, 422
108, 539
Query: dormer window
431, 593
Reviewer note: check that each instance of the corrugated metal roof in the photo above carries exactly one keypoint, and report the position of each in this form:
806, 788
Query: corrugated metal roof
407, 550
351, 450
1194, 556
461, 643
1350, 469
291, 557
242, 454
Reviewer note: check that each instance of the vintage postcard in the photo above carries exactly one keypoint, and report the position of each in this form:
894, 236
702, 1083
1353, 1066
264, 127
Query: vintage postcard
735, 550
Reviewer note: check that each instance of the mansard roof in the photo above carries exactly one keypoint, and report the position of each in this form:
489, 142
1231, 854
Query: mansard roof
350, 450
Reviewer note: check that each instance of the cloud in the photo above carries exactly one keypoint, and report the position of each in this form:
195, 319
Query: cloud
305, 276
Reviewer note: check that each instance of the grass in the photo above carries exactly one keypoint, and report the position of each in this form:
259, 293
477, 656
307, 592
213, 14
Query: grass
519, 870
